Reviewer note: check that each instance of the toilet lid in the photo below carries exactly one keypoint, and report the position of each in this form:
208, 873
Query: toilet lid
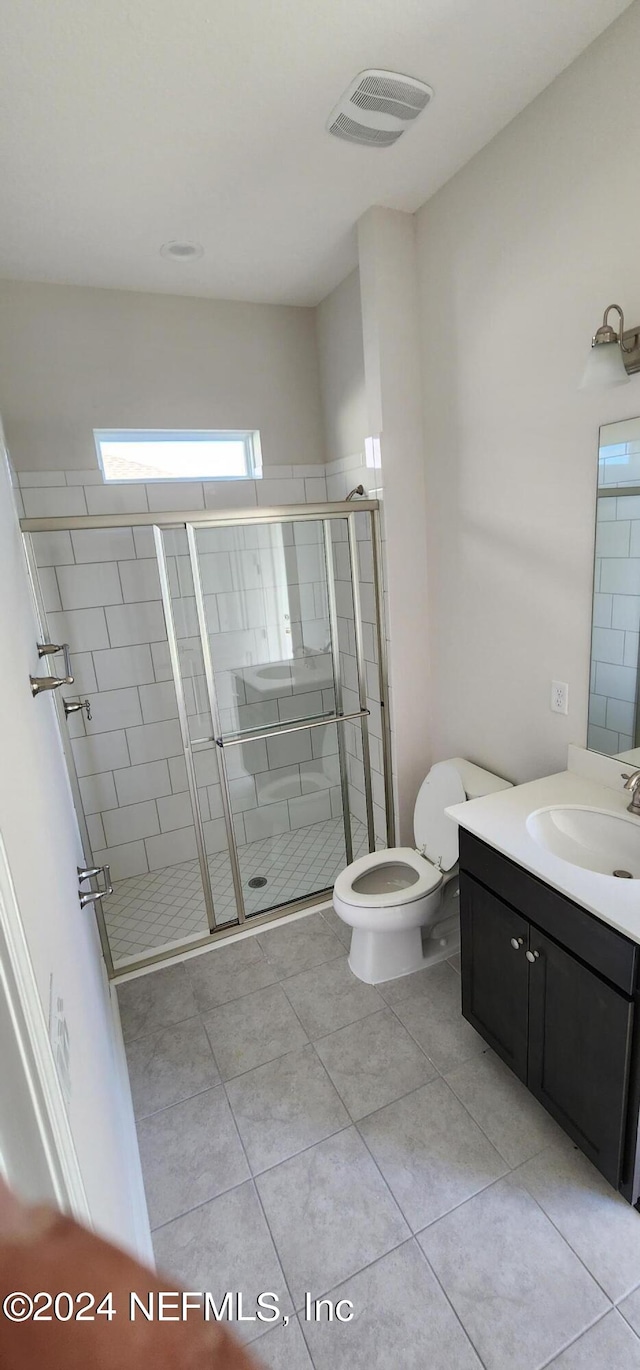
435, 833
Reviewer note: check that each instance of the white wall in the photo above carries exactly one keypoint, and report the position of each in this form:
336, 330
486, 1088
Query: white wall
73, 359
391, 344
518, 256
40, 834
341, 359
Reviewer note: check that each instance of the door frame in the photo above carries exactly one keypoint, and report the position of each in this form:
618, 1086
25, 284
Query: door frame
32, 1063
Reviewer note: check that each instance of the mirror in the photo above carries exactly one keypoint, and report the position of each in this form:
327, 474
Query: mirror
614, 715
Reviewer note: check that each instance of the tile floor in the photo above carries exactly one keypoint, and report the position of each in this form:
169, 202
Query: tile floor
302, 1131
166, 908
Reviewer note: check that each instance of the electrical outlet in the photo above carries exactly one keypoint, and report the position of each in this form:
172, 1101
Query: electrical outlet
559, 703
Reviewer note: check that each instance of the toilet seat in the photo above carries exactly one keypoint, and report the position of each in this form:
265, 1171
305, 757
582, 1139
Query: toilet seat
429, 879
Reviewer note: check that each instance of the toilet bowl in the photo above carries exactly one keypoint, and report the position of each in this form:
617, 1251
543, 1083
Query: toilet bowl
402, 902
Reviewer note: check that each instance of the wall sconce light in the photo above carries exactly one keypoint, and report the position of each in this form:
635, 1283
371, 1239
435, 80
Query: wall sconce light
614, 356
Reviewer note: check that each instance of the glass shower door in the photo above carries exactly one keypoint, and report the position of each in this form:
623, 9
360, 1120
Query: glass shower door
127, 759
200, 767
265, 595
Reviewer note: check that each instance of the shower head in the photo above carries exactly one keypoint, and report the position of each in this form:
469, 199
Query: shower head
357, 490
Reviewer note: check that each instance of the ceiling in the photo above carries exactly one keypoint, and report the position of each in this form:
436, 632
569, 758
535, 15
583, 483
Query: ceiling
126, 123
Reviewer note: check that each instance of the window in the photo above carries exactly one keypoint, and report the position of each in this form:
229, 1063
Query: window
133, 454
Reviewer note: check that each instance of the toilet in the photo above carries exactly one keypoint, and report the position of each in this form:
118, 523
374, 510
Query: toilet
403, 903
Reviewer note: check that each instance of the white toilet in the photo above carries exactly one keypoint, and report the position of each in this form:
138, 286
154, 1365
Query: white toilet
402, 904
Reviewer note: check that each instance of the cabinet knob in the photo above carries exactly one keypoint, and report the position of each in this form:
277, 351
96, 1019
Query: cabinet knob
532, 955
516, 943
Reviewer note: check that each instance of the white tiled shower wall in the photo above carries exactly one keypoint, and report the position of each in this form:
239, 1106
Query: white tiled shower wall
616, 604
102, 594
49, 494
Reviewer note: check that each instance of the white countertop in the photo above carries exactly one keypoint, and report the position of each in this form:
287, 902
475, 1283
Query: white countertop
500, 820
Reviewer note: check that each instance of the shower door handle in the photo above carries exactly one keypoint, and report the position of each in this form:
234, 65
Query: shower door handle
92, 873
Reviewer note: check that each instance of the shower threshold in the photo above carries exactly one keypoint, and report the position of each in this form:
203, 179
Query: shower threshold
155, 912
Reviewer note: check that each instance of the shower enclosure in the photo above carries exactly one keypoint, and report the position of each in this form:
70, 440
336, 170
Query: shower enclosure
232, 755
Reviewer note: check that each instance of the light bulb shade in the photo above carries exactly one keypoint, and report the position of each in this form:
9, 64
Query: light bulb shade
605, 367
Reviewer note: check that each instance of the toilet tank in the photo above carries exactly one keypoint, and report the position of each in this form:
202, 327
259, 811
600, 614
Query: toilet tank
448, 782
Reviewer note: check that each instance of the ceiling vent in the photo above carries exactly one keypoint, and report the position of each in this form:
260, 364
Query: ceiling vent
378, 107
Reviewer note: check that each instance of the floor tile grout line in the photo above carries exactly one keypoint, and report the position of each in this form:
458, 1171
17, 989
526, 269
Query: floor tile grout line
393, 1009
259, 1198
346, 1127
450, 1303
289, 1051
385, 1181
561, 1234
249, 1179
510, 1168
355, 1121
364, 1142
406, 1241
311, 1044
469, 1199
443, 1076
161, 1027
370, 1013
177, 1217
548, 1364
622, 1298
499, 1180
197, 1094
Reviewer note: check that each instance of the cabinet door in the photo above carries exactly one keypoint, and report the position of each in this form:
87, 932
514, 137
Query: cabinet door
579, 1044
495, 972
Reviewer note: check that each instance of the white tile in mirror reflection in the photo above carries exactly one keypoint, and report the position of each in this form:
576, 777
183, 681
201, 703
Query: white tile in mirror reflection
613, 537
616, 681
607, 644
620, 575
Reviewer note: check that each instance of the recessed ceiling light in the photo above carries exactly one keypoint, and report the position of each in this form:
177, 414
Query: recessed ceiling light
182, 252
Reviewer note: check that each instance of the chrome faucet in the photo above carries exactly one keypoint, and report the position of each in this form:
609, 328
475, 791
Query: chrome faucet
632, 782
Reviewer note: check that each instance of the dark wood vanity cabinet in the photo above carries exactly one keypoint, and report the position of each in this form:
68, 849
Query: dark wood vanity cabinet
554, 992
495, 993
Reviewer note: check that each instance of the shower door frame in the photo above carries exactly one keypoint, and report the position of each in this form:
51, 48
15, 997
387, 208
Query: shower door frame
190, 521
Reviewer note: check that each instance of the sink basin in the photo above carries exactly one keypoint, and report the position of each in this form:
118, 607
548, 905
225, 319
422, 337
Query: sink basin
599, 841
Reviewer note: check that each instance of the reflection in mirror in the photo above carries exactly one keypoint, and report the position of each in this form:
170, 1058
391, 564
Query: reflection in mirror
614, 722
